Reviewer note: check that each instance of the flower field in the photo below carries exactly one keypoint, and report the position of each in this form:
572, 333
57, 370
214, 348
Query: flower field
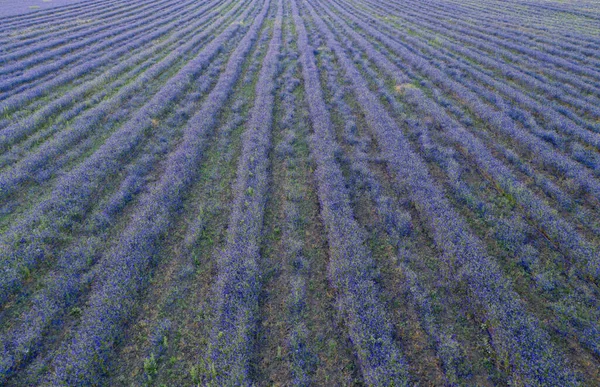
19, 7
300, 192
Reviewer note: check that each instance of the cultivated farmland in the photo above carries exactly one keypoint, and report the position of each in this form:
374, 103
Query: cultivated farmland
300, 192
